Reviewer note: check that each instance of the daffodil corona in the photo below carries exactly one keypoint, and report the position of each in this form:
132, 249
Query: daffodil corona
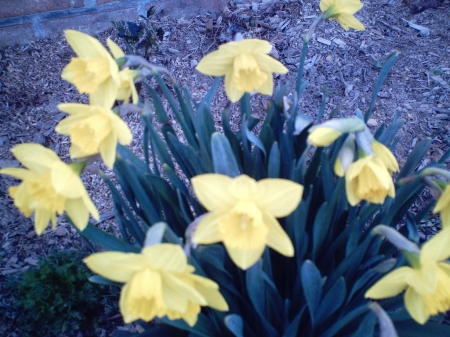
342, 11
93, 129
49, 187
158, 282
426, 282
245, 65
368, 179
242, 214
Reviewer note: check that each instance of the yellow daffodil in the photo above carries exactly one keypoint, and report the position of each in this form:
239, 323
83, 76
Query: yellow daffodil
242, 214
93, 129
386, 156
49, 187
158, 282
368, 179
245, 65
94, 71
126, 88
427, 283
342, 11
443, 207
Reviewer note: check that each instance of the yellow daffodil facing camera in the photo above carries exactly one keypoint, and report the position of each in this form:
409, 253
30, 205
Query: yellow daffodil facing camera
49, 187
342, 11
368, 179
245, 65
158, 282
242, 214
95, 72
427, 282
93, 129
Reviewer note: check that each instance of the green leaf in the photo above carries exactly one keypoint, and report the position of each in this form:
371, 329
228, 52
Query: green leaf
383, 74
106, 241
411, 329
415, 157
312, 287
223, 156
332, 301
345, 320
274, 162
367, 326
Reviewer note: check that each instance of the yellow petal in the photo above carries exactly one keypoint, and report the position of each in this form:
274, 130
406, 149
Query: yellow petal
75, 109
444, 200
208, 231
254, 45
215, 64
338, 169
115, 49
106, 94
277, 239
323, 136
127, 315
165, 256
385, 155
390, 285
349, 21
269, 65
19, 173
77, 212
35, 157
41, 220
210, 291
437, 248
245, 258
350, 190
66, 182
211, 191
85, 45
124, 135
116, 266
107, 150
233, 93
267, 87
279, 197
415, 305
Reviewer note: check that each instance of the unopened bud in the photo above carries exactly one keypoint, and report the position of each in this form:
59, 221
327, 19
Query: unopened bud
394, 237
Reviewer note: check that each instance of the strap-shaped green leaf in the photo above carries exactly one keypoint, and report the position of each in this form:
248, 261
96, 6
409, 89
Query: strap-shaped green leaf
223, 156
107, 241
332, 301
312, 287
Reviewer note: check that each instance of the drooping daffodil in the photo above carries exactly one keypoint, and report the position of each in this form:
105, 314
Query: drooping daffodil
342, 11
48, 188
326, 133
426, 282
243, 214
158, 282
93, 129
245, 65
368, 179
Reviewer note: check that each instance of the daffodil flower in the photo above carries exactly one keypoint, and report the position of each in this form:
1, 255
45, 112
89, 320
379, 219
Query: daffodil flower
245, 65
93, 129
158, 282
368, 179
49, 187
342, 11
94, 71
426, 282
326, 133
242, 214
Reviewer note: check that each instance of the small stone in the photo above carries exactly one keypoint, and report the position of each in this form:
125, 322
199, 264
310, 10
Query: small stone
61, 231
30, 260
329, 58
193, 63
372, 122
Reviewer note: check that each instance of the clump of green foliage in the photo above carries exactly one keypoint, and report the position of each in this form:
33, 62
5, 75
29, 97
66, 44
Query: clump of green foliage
57, 298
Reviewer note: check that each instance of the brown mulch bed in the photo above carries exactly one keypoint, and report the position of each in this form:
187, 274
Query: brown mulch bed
345, 62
